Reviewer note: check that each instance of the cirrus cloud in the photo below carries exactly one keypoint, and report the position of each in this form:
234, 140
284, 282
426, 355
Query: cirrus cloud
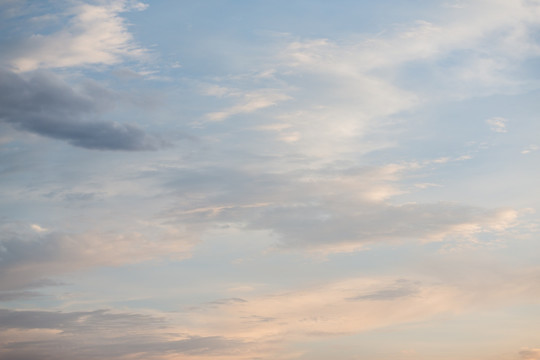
95, 34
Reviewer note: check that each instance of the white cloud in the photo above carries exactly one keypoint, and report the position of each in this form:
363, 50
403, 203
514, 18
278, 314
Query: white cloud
497, 124
530, 149
38, 228
426, 185
345, 94
250, 101
94, 35
479, 42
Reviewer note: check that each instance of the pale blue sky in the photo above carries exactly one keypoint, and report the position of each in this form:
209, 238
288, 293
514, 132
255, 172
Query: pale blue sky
269, 180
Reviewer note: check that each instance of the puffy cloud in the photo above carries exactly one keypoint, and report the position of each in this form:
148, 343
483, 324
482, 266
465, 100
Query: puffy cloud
95, 34
43, 104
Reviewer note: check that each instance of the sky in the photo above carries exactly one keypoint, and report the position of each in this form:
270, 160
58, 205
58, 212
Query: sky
269, 180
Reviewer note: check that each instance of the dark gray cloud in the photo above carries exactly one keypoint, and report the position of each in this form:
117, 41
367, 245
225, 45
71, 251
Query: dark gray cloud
101, 334
45, 105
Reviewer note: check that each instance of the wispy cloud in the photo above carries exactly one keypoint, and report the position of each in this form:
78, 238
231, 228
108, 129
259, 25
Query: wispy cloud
249, 102
530, 149
100, 334
27, 256
357, 305
324, 209
332, 211
530, 354
497, 124
95, 34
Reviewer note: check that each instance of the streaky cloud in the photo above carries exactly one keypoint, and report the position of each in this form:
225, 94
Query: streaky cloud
94, 34
43, 104
100, 334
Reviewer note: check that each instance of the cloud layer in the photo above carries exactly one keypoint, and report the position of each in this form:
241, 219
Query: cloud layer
359, 181
331, 211
43, 104
97, 335
28, 257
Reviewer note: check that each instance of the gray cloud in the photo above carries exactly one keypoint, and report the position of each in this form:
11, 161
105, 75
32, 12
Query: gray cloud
45, 105
17, 295
216, 303
101, 334
326, 222
137, 347
401, 288
27, 256
226, 301
328, 210
73, 322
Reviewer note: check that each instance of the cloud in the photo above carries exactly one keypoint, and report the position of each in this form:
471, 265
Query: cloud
17, 295
83, 321
26, 257
43, 104
356, 305
95, 34
530, 149
329, 210
497, 124
354, 95
335, 227
458, 57
530, 354
401, 288
264, 324
99, 334
251, 101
